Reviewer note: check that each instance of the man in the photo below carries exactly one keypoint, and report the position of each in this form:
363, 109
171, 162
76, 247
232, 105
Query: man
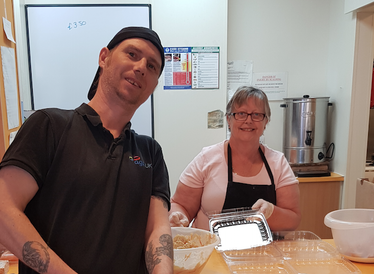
80, 191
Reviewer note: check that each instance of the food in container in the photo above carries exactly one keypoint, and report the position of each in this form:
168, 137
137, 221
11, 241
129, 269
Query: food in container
193, 240
8, 256
192, 259
4, 266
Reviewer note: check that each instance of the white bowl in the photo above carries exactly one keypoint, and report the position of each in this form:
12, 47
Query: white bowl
353, 233
192, 260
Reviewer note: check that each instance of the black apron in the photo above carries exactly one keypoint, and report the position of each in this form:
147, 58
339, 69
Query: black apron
245, 195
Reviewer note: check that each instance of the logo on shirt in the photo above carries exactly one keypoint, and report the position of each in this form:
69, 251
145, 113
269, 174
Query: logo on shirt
138, 161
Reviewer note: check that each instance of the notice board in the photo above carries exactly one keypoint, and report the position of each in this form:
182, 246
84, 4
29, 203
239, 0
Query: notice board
8, 109
64, 42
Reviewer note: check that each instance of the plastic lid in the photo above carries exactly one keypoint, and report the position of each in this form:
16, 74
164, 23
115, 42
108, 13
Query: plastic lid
240, 229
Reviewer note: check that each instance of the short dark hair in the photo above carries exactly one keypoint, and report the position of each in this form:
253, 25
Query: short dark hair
127, 33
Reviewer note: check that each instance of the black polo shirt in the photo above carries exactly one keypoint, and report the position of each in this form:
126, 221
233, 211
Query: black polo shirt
94, 191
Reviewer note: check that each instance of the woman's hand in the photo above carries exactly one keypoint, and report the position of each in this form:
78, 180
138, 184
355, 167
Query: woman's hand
178, 219
185, 204
264, 207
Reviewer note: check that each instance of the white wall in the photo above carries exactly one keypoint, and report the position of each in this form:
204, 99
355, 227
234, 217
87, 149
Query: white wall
302, 39
314, 41
351, 5
282, 36
180, 116
341, 38
311, 40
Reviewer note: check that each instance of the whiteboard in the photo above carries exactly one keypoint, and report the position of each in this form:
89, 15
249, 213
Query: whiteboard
64, 42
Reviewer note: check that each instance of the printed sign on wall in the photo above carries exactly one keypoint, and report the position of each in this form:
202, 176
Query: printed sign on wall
191, 68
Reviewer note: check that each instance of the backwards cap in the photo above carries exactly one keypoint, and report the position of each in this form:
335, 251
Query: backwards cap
126, 33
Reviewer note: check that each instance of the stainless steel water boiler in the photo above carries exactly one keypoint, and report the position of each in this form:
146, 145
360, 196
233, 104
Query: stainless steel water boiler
305, 127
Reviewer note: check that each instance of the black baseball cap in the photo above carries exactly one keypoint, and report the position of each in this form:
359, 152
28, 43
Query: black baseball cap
126, 33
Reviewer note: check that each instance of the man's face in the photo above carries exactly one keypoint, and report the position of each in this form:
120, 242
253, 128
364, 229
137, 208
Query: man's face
130, 71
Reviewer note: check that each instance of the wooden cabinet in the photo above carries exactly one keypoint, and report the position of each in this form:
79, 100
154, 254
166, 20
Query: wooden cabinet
319, 196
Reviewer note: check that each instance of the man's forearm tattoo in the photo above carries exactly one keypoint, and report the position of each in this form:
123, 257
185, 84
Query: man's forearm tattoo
36, 256
152, 258
167, 246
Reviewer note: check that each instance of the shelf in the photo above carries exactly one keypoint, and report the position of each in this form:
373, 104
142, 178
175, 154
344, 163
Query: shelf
333, 178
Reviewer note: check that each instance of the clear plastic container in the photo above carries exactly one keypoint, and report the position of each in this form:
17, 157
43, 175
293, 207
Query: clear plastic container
255, 253
290, 256
307, 250
331, 266
240, 229
294, 236
278, 252
353, 233
274, 266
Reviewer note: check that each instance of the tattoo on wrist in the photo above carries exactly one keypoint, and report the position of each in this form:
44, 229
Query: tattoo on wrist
36, 256
152, 258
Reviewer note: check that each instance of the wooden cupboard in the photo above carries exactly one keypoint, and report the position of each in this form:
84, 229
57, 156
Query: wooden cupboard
319, 196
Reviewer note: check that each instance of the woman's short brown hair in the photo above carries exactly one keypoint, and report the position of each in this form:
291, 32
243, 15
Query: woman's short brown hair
243, 93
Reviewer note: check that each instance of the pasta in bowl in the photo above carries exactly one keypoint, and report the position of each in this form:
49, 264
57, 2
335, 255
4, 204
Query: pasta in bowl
192, 249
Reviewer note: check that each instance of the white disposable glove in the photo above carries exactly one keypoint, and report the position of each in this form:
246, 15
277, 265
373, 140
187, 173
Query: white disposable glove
264, 207
178, 219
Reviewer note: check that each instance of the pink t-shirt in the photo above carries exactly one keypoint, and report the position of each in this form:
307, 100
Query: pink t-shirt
208, 170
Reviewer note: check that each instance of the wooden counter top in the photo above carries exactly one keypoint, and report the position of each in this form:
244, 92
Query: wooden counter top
217, 265
333, 178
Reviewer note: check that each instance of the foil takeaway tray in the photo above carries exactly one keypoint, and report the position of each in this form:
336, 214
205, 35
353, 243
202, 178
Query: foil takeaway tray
240, 229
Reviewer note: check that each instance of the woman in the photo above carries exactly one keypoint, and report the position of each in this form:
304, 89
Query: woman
239, 172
